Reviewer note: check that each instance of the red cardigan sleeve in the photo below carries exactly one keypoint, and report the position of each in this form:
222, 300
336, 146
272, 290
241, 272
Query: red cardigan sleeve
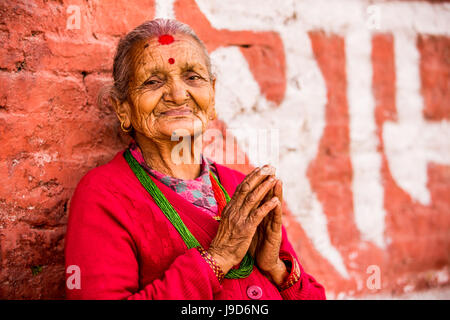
306, 288
99, 241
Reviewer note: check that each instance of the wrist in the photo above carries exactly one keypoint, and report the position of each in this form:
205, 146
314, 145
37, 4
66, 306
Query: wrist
223, 262
293, 270
278, 274
216, 268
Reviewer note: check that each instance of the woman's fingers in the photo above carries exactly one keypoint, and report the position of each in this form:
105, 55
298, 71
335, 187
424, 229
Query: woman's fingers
278, 190
256, 216
247, 178
269, 195
239, 194
277, 217
250, 182
274, 218
254, 198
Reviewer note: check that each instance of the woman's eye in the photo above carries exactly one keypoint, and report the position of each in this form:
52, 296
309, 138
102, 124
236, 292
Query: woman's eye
152, 82
193, 77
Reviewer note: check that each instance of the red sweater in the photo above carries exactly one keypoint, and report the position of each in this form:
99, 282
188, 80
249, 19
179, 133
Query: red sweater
126, 248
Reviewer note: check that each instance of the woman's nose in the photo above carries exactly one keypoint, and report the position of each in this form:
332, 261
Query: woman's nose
177, 93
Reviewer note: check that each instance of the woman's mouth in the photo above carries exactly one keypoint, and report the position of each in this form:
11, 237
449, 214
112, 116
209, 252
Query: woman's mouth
177, 112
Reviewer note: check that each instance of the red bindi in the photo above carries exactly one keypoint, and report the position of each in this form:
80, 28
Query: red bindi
171, 60
166, 39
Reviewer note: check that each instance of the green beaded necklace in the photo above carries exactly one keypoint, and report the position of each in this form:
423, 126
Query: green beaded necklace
246, 266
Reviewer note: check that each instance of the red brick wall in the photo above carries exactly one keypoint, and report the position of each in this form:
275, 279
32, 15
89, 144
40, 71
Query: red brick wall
52, 132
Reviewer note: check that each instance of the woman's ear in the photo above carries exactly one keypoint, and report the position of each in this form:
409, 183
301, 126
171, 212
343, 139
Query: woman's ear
123, 112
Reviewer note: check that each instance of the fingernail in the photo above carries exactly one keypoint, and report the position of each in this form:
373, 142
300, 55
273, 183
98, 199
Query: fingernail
266, 169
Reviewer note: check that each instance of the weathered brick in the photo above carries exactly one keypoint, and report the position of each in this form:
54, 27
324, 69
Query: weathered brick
65, 54
131, 13
52, 132
435, 75
42, 93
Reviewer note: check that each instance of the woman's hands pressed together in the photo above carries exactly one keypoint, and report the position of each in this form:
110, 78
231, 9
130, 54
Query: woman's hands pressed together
266, 243
251, 221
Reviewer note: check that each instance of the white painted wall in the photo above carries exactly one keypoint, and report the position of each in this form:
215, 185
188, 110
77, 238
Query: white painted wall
411, 143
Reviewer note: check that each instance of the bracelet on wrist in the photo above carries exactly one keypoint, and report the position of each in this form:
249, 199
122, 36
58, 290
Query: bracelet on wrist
212, 263
292, 267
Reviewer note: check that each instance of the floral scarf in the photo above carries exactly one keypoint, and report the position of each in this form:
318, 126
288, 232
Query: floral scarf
197, 191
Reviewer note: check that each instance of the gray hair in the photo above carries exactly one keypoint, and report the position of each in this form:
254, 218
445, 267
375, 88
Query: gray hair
122, 68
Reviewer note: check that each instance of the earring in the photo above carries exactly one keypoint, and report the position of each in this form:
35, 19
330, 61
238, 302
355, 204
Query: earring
126, 130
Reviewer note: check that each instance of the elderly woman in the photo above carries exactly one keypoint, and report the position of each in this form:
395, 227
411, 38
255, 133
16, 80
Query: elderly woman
147, 226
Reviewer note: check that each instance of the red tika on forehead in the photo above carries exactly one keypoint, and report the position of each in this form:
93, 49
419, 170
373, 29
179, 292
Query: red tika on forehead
166, 39
171, 60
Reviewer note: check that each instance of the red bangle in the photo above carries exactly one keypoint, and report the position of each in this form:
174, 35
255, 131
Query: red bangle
212, 263
293, 269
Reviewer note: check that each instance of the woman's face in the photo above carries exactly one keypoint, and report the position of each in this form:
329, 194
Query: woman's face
170, 88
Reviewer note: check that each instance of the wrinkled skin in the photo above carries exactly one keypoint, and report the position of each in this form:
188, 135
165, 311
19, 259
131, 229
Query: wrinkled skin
168, 77
159, 85
251, 221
